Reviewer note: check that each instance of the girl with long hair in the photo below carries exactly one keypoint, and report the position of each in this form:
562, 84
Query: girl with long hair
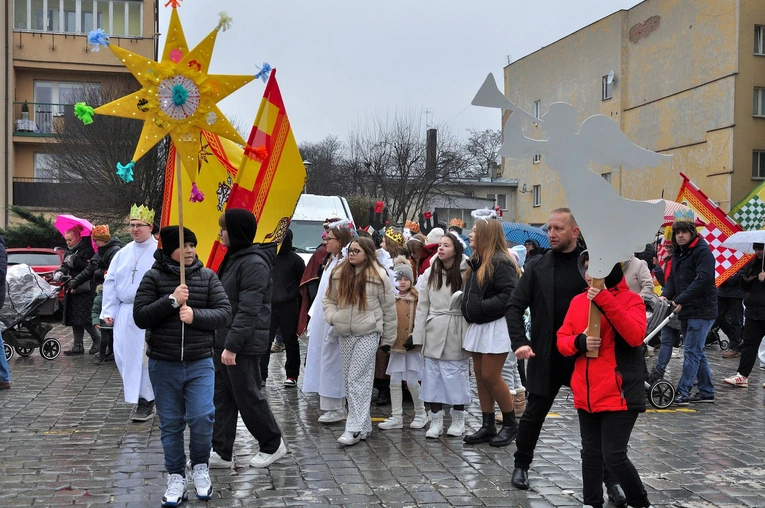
323, 374
414, 246
489, 282
440, 329
361, 306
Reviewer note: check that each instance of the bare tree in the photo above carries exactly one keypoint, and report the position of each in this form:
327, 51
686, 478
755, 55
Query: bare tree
482, 151
85, 157
326, 173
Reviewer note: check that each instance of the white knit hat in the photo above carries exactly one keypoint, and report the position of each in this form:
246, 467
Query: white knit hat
435, 235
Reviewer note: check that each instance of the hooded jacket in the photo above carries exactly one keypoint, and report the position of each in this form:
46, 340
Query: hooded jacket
614, 380
99, 264
170, 339
246, 276
755, 290
287, 272
486, 302
691, 283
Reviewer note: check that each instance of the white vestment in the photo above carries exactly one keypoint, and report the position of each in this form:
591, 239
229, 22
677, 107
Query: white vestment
323, 365
122, 280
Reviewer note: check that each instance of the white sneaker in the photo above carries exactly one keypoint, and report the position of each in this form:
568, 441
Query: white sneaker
457, 428
200, 475
394, 422
420, 420
176, 491
737, 380
436, 425
266, 459
217, 462
335, 415
350, 438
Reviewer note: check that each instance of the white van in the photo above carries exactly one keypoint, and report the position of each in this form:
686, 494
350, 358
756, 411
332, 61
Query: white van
308, 220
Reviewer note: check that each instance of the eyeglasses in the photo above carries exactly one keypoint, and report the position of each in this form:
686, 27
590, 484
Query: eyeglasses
136, 226
354, 251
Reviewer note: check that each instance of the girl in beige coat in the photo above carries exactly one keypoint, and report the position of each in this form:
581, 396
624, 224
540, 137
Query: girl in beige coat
440, 329
361, 307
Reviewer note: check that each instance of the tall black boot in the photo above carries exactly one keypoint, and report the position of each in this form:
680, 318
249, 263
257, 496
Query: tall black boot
508, 432
77, 348
485, 434
383, 392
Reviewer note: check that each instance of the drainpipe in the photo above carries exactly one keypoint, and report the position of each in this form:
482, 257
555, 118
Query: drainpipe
6, 109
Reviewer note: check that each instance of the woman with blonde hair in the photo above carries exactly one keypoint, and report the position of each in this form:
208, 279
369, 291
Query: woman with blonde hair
361, 306
489, 282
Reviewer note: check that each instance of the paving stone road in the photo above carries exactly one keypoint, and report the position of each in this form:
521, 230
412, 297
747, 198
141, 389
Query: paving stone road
66, 439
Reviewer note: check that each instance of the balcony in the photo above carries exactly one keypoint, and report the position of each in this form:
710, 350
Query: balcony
45, 193
40, 120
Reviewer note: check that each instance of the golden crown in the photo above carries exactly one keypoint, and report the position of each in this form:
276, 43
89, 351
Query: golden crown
684, 216
394, 235
413, 227
457, 222
100, 230
142, 213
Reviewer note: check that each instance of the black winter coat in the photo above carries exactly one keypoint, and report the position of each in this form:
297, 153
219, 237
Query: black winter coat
153, 310
731, 288
3, 269
246, 277
287, 273
536, 291
486, 303
691, 281
77, 306
99, 264
755, 290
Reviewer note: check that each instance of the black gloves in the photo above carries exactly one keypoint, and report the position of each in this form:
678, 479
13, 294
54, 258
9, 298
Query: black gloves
385, 349
408, 343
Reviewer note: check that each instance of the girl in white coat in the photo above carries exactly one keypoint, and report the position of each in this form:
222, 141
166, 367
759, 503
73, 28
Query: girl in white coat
440, 329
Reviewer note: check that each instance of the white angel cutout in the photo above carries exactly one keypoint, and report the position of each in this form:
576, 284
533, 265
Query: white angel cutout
614, 227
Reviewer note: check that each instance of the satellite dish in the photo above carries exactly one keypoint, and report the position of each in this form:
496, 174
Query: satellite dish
610, 78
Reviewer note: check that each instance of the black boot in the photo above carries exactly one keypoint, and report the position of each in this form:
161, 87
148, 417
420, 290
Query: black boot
508, 432
383, 392
520, 478
95, 348
616, 495
487, 431
77, 349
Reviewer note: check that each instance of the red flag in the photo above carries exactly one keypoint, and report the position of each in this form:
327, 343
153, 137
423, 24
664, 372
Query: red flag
718, 228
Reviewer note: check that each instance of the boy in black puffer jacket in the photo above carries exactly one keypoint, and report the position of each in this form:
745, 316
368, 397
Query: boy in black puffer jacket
182, 319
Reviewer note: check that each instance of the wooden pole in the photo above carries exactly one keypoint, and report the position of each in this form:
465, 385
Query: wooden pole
179, 179
593, 328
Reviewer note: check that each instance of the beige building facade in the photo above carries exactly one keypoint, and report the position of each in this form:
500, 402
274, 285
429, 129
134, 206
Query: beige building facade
47, 65
687, 78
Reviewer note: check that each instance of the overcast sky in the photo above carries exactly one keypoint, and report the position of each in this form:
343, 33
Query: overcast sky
341, 62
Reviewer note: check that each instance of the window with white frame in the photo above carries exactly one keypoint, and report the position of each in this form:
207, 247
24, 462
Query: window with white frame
758, 165
538, 109
607, 89
606, 177
502, 201
759, 40
537, 158
45, 168
537, 194
758, 104
115, 17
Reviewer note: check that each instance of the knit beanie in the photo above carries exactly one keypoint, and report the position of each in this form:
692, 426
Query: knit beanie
171, 240
402, 269
435, 235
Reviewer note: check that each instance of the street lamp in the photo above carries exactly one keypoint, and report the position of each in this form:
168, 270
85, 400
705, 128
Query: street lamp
307, 165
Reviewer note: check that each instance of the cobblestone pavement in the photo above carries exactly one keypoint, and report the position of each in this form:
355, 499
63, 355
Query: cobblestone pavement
66, 439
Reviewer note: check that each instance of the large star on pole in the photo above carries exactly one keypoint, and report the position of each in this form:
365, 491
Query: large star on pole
177, 96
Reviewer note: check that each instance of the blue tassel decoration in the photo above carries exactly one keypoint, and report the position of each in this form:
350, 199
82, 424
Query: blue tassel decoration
126, 172
265, 71
97, 38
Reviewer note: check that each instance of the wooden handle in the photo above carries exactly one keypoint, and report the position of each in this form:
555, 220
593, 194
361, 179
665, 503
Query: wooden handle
593, 328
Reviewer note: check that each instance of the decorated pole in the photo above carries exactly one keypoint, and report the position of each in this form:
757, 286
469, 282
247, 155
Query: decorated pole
180, 214
593, 327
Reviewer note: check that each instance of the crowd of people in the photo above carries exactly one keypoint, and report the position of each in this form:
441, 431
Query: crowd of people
397, 312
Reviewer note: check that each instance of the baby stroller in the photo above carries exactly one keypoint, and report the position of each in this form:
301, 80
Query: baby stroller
20, 323
659, 313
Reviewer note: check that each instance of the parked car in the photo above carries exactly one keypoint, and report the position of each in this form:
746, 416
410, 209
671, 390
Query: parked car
307, 223
43, 262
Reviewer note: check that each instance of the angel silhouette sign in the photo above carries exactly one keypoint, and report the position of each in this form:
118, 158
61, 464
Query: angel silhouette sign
614, 227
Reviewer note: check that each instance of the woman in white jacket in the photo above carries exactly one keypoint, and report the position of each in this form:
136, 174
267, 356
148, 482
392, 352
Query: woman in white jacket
440, 329
361, 306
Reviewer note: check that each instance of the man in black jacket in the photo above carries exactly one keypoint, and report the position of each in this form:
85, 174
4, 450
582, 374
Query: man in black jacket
285, 309
546, 287
246, 276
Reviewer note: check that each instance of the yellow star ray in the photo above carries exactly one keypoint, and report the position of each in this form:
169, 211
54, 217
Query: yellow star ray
177, 97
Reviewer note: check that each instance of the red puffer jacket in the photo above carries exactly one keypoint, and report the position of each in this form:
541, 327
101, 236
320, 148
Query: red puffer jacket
614, 380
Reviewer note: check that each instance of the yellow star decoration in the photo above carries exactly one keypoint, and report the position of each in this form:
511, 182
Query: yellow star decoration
178, 97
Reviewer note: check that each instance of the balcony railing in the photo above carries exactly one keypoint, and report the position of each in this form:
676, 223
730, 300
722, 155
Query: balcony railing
44, 193
39, 119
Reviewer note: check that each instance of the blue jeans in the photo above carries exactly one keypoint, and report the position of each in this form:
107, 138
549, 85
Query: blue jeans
183, 394
5, 373
695, 365
669, 337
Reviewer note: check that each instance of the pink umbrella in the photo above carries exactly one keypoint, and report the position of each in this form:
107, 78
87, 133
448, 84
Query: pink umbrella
66, 222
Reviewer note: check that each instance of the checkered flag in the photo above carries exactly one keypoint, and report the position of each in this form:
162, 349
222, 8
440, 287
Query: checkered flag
751, 216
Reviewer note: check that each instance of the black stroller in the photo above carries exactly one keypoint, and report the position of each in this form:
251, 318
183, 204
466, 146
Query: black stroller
659, 313
20, 323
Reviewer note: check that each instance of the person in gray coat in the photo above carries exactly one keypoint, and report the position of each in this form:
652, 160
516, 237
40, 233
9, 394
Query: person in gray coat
246, 276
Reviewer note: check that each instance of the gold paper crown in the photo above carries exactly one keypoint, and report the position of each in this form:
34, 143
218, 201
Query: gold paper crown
684, 216
413, 227
100, 231
394, 235
457, 222
142, 213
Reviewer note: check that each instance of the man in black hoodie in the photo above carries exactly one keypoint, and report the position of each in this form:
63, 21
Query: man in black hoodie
285, 309
246, 276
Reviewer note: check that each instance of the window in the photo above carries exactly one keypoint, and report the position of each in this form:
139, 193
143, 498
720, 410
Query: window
537, 158
758, 108
606, 177
538, 109
607, 88
45, 167
758, 165
502, 201
759, 40
116, 17
537, 195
